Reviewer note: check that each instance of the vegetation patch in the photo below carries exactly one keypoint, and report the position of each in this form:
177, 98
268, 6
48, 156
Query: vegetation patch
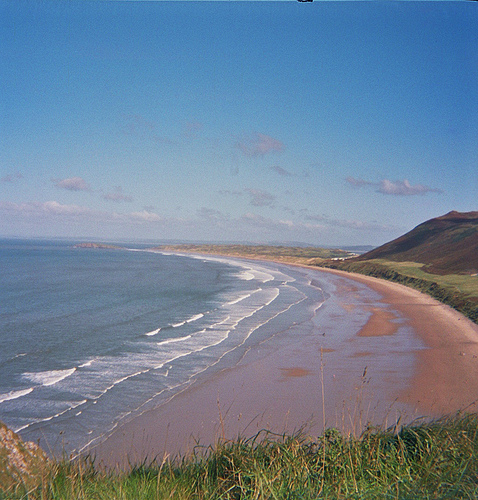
432, 460
295, 255
456, 290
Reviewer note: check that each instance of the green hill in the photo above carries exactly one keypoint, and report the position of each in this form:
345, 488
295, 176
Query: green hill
438, 257
445, 245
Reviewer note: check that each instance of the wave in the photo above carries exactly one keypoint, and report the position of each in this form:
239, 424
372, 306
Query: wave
239, 299
245, 275
247, 272
214, 325
154, 332
198, 342
251, 273
317, 307
47, 419
189, 320
14, 394
50, 377
87, 363
195, 318
172, 341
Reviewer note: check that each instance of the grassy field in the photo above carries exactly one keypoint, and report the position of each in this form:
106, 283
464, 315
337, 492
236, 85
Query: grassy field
459, 291
433, 460
462, 283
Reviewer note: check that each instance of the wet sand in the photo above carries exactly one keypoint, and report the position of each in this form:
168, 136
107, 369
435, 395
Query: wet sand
446, 375
288, 383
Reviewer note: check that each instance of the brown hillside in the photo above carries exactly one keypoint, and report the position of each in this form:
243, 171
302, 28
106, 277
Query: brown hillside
445, 245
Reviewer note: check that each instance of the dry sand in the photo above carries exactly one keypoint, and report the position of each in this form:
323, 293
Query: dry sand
283, 387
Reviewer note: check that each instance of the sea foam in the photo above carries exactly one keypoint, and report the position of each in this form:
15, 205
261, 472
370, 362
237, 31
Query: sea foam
14, 394
49, 377
172, 341
154, 332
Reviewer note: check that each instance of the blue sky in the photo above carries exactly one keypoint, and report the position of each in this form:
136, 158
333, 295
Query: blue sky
336, 123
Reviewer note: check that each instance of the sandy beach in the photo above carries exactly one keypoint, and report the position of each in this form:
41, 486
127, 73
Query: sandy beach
289, 383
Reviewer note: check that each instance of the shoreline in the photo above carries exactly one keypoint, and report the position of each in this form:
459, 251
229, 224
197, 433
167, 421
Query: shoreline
281, 391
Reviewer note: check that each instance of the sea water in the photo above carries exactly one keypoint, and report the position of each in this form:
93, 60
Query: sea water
91, 337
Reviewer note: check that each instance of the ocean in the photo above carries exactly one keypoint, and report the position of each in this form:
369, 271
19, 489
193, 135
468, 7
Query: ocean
90, 338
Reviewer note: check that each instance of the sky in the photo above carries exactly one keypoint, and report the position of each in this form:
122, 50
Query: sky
324, 123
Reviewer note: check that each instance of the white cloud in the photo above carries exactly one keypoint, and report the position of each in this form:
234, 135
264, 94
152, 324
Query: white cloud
259, 145
56, 208
34, 208
72, 184
50, 209
404, 188
396, 188
145, 216
117, 195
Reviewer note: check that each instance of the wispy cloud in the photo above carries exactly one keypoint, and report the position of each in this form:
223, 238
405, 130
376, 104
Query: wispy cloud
287, 173
396, 188
11, 177
259, 145
281, 171
268, 225
260, 198
117, 195
404, 188
72, 184
145, 216
348, 223
250, 225
359, 182
210, 214
257, 197
228, 192
265, 222
137, 125
34, 208
55, 209
288, 209
192, 129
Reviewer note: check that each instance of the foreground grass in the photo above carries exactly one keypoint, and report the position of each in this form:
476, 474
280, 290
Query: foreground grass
431, 460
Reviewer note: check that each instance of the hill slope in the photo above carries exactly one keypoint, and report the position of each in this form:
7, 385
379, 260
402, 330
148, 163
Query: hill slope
445, 245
